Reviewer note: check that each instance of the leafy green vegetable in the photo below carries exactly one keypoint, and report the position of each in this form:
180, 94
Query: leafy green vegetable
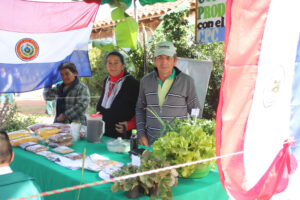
127, 184
187, 142
161, 181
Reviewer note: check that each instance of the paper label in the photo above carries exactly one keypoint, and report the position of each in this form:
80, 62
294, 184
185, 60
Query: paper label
195, 112
135, 160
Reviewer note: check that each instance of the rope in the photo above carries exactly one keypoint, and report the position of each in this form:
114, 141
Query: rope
66, 189
76, 187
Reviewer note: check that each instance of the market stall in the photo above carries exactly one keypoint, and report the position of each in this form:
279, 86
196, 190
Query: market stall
51, 176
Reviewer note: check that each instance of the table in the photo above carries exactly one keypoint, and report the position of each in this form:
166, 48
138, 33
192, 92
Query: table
51, 176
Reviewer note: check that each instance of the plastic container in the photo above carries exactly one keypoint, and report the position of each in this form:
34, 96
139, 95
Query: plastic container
95, 128
118, 145
75, 131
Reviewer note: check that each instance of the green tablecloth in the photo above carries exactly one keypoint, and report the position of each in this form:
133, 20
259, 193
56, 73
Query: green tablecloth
51, 176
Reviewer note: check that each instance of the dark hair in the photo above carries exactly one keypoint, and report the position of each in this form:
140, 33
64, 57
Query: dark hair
5, 148
115, 53
68, 65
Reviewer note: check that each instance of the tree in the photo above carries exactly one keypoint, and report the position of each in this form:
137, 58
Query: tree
99, 71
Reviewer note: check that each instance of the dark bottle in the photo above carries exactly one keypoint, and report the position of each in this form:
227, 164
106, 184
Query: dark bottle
133, 140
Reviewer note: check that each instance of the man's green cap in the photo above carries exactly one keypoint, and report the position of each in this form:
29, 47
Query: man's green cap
165, 48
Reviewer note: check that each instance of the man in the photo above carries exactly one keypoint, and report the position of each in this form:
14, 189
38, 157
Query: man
13, 184
167, 91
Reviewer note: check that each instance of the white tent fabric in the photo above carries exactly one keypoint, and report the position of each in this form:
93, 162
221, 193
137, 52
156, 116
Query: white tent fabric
200, 71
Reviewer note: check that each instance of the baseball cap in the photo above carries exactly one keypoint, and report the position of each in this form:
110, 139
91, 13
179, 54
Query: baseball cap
165, 48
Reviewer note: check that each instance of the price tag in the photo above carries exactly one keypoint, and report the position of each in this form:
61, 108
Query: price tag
135, 160
195, 112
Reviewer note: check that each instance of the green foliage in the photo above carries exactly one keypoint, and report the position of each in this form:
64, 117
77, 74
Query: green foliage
127, 184
126, 33
215, 52
137, 59
118, 14
160, 182
6, 113
126, 30
208, 126
19, 121
187, 142
95, 83
104, 47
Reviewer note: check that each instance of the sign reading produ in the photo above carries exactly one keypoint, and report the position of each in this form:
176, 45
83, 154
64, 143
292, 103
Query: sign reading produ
210, 21
27, 49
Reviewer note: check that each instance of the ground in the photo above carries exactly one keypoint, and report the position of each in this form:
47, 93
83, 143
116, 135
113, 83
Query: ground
33, 103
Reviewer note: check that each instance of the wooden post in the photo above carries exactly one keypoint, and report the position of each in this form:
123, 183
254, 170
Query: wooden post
196, 15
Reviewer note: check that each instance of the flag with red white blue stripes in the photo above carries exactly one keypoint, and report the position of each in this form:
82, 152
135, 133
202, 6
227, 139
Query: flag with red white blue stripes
36, 37
259, 106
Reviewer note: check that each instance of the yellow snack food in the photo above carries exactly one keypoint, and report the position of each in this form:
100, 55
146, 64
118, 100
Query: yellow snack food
21, 140
47, 132
18, 134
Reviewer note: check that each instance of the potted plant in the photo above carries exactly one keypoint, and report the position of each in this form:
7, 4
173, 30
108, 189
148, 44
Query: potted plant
185, 142
157, 185
130, 186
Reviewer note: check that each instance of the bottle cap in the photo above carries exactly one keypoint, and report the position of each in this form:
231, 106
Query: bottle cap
95, 115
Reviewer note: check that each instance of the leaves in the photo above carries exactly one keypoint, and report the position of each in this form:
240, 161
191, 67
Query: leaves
127, 184
118, 14
162, 181
126, 33
188, 143
108, 47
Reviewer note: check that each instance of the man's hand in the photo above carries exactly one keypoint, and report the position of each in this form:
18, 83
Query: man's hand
60, 118
121, 127
144, 141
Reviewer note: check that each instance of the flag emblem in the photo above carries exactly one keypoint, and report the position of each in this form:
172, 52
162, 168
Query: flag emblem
27, 49
272, 89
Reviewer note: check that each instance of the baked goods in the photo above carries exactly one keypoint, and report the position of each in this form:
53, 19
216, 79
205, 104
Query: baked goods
45, 153
62, 150
37, 126
27, 144
36, 148
74, 156
60, 139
